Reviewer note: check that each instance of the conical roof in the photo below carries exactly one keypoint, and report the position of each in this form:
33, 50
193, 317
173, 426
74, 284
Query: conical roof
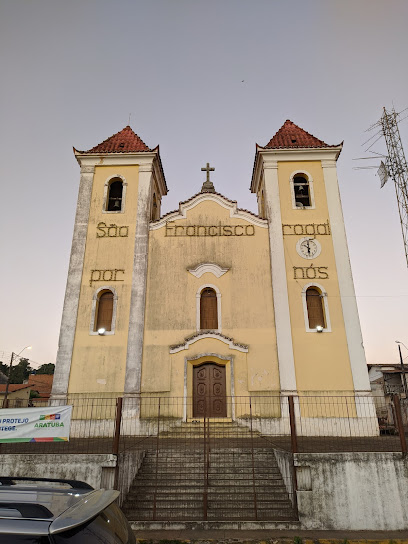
291, 136
125, 141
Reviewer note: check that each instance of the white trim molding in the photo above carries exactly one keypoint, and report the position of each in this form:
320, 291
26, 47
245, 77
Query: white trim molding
110, 180
227, 359
323, 295
230, 205
198, 301
209, 334
286, 361
95, 297
212, 268
73, 288
306, 174
345, 278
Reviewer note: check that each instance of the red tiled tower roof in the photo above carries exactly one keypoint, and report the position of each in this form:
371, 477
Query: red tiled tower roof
125, 141
290, 135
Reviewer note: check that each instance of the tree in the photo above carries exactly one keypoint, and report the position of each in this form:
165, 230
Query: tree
46, 368
4, 368
20, 371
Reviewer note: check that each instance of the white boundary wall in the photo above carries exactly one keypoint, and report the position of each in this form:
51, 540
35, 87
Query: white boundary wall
352, 491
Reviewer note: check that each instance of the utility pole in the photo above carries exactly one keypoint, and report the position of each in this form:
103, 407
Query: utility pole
403, 376
9, 374
8, 381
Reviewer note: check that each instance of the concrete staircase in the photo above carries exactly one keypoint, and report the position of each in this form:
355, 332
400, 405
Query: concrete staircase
244, 482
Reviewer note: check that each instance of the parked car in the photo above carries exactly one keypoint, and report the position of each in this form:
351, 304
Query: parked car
50, 511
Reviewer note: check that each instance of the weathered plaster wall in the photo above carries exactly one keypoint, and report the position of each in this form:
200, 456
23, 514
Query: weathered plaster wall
245, 298
352, 491
321, 360
99, 362
97, 470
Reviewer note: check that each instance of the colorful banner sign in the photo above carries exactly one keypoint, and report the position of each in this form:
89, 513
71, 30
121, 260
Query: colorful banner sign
49, 424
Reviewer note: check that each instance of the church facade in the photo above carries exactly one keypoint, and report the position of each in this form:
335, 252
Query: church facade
210, 303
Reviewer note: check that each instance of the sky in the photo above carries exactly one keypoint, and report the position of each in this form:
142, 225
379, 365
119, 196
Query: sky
206, 80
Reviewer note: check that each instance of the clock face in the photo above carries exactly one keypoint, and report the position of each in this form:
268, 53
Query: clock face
308, 247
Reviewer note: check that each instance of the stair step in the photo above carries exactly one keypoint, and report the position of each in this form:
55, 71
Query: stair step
171, 480
169, 487
217, 483
214, 500
198, 468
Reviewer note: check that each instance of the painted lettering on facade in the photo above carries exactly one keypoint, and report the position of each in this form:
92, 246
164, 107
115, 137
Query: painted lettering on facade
310, 272
311, 229
174, 231
111, 231
106, 275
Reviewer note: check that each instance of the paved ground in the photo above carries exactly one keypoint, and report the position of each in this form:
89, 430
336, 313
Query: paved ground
272, 537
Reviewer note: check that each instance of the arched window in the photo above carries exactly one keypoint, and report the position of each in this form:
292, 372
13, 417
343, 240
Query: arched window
208, 309
104, 311
315, 309
115, 194
301, 191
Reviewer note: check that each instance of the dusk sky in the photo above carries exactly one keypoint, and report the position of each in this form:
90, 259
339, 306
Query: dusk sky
205, 80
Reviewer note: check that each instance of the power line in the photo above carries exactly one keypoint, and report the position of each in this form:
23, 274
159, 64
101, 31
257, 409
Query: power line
5, 357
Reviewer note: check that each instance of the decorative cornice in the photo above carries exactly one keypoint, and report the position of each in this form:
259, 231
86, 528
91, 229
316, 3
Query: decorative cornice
213, 268
208, 334
145, 168
264, 155
230, 205
87, 169
328, 163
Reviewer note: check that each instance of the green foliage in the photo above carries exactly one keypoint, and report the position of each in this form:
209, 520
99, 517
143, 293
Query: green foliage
297, 540
21, 371
46, 368
4, 368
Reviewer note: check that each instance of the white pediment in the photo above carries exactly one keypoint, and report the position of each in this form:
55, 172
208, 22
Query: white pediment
230, 205
213, 268
209, 334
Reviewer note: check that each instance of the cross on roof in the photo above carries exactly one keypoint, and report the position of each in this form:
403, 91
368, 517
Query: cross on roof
208, 169
208, 186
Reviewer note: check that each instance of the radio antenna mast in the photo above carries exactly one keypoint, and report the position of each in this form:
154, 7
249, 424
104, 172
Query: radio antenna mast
395, 167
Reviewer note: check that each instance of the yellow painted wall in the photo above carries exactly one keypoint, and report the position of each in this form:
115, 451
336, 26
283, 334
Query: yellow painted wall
321, 359
246, 304
17, 399
99, 362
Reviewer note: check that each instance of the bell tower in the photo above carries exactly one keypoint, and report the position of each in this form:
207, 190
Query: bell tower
318, 331
100, 344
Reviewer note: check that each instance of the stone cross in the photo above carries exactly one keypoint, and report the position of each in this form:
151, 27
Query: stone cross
208, 186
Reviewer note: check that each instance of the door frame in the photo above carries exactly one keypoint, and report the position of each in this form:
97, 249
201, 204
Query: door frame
210, 383
222, 360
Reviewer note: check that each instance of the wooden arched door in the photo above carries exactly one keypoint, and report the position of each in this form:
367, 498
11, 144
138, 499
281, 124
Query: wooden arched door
209, 391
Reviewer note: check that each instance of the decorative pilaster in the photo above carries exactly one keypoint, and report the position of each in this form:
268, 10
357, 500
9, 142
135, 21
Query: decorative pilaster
345, 279
73, 288
279, 282
138, 291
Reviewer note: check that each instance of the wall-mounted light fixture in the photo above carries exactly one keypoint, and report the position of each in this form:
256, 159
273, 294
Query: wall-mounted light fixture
101, 331
319, 328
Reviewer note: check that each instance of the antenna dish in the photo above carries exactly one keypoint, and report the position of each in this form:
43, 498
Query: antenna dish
383, 174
